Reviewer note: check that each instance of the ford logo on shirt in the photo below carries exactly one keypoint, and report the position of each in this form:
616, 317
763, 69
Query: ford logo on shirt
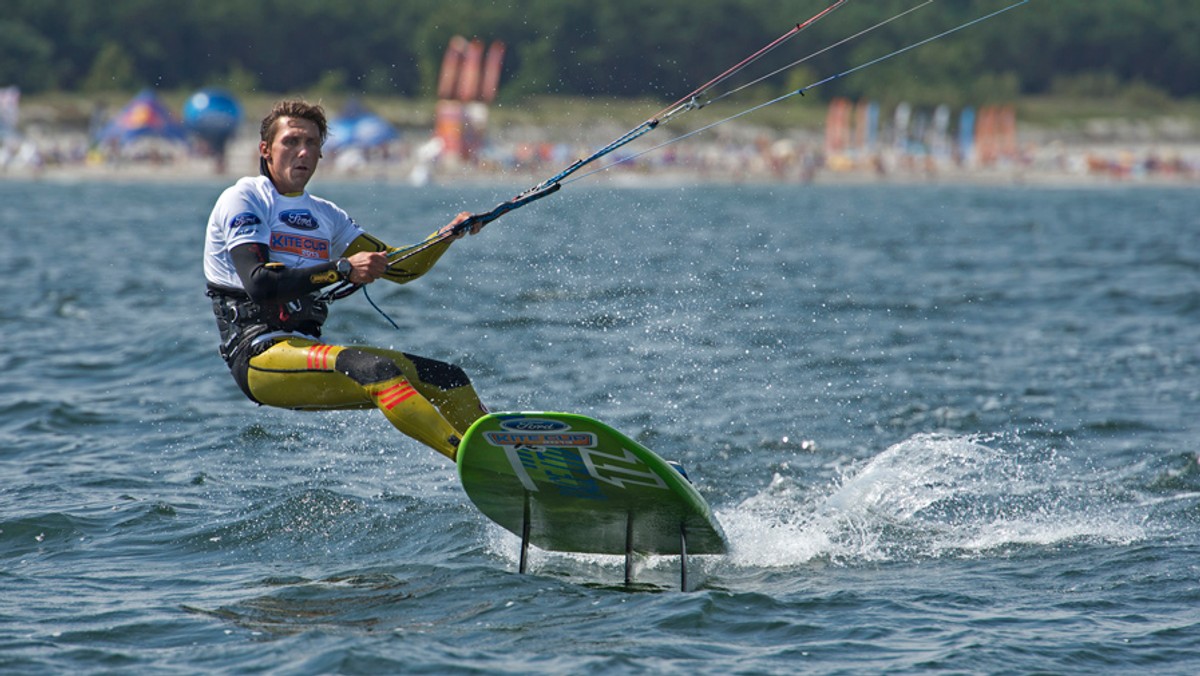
242, 220
300, 219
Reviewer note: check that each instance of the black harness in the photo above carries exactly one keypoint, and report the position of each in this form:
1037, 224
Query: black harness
240, 320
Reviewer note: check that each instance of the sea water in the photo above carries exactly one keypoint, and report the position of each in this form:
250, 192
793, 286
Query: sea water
945, 429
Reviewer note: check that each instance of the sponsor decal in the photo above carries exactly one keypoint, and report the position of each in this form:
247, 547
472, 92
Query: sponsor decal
300, 219
535, 425
570, 462
300, 245
541, 438
562, 468
244, 220
620, 468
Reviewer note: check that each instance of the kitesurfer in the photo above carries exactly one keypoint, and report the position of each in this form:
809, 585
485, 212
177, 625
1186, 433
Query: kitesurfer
271, 248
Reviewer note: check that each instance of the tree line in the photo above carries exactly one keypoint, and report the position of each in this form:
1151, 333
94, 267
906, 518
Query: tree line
621, 48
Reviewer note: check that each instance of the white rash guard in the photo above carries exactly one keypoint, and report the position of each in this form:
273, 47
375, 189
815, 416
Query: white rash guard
300, 231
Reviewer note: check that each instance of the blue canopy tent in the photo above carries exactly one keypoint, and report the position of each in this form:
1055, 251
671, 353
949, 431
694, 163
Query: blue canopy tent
144, 116
213, 115
356, 127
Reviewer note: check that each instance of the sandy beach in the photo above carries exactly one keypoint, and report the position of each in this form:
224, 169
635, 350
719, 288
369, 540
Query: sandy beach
527, 155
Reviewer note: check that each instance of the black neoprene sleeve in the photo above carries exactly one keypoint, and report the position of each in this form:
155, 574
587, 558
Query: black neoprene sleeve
272, 282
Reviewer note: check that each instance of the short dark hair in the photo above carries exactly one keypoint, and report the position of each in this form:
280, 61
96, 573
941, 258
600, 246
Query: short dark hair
313, 112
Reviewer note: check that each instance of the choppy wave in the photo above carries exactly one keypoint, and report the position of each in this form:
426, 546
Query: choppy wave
1033, 352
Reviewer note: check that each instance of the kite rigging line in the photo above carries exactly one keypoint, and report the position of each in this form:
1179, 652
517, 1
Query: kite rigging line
814, 85
687, 103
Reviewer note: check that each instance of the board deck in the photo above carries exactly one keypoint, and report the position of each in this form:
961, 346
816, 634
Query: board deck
579, 485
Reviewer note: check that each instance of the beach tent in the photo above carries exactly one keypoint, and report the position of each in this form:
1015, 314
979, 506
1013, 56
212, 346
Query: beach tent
213, 115
144, 116
357, 127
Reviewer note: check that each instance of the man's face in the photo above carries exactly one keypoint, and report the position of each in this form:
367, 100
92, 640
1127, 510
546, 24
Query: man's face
293, 154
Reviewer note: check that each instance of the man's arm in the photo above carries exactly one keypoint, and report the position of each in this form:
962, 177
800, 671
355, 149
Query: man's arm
267, 282
416, 264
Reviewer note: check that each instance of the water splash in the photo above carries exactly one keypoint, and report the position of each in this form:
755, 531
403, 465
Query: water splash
927, 497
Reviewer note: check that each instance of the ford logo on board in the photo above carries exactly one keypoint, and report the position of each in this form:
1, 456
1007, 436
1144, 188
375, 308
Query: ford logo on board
534, 425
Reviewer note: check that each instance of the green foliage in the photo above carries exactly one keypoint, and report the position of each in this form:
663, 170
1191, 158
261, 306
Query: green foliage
332, 82
26, 56
1087, 85
621, 48
111, 71
1144, 95
239, 79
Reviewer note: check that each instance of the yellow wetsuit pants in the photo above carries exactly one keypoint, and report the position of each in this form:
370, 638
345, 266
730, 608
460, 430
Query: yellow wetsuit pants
428, 400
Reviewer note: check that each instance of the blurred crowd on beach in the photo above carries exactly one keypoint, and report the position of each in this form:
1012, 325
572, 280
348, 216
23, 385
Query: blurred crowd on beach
458, 144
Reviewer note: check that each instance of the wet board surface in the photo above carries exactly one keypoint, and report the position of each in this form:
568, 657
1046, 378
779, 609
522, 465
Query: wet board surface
585, 487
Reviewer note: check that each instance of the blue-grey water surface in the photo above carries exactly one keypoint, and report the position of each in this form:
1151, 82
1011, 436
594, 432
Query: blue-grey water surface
945, 428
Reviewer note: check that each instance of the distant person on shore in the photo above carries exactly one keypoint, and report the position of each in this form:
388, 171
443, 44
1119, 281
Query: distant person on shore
271, 247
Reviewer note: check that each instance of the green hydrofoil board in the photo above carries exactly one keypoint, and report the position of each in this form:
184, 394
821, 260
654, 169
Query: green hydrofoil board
568, 483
